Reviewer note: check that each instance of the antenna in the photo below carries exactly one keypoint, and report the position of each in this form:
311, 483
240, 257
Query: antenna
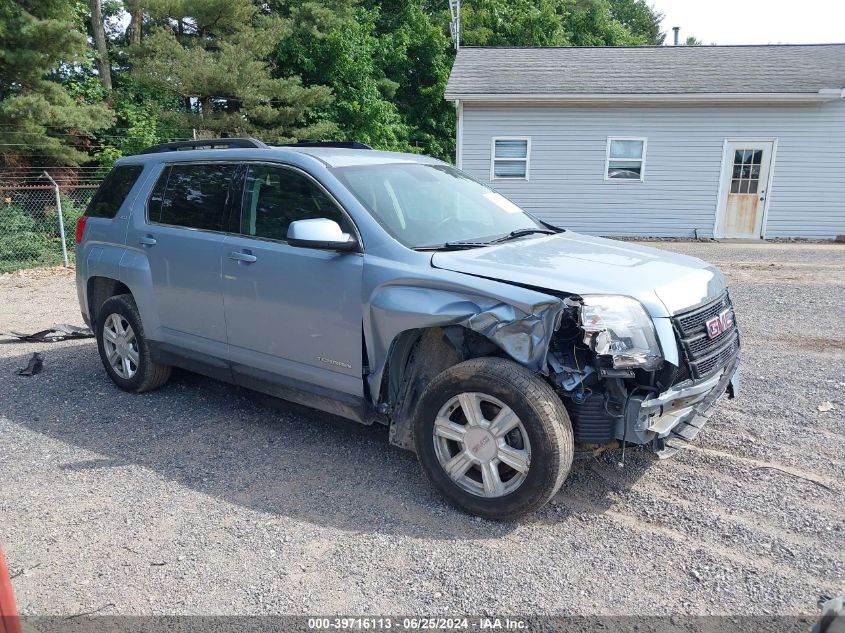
455, 24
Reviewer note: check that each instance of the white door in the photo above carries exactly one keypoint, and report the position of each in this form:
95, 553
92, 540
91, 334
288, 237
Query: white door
745, 179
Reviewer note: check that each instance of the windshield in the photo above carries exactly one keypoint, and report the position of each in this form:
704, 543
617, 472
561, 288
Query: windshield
429, 206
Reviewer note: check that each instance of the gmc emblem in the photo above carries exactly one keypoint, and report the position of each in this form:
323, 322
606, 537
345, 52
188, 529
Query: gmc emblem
722, 322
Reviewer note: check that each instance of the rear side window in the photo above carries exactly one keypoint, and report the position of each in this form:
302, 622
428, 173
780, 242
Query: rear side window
113, 191
193, 196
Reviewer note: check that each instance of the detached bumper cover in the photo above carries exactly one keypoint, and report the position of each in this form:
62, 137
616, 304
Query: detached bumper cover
682, 411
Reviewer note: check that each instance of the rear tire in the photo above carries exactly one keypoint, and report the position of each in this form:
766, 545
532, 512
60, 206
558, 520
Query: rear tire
124, 349
510, 454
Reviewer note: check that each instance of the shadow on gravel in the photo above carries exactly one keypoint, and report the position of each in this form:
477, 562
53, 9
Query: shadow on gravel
252, 450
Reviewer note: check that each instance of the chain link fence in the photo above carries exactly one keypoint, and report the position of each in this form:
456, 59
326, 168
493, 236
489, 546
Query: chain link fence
34, 213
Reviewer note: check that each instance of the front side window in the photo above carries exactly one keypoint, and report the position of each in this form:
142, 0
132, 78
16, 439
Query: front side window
625, 159
432, 205
192, 195
113, 191
276, 196
510, 159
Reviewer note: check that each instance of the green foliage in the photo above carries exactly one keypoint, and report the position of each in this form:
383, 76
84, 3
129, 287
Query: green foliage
21, 243
416, 57
39, 41
280, 70
213, 53
346, 60
141, 120
640, 19
552, 23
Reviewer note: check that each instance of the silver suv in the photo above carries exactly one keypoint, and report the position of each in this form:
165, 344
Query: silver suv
394, 289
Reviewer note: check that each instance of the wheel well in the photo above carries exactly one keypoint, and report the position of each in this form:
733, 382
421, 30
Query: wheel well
99, 290
415, 358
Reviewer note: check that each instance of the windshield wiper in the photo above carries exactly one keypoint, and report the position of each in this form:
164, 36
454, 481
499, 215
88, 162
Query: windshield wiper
520, 233
451, 246
498, 240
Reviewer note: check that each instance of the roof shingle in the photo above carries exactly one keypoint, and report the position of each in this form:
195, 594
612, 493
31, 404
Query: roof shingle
647, 70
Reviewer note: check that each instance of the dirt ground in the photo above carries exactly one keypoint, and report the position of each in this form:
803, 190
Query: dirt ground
203, 498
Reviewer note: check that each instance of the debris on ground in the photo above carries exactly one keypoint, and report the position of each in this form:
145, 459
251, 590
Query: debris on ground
59, 332
825, 406
34, 366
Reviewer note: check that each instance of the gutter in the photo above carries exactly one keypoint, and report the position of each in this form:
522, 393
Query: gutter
822, 96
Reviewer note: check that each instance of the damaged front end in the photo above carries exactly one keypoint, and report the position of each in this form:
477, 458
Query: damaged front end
615, 381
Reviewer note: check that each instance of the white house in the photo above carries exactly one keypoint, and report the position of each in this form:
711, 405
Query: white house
724, 141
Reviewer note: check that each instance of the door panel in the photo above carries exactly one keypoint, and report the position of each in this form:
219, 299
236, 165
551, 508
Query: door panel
185, 270
294, 313
182, 240
745, 180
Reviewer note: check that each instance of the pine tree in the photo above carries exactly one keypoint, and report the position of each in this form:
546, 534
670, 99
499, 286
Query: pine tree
213, 54
40, 122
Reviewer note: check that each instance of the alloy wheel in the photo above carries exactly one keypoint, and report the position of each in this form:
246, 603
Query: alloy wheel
121, 346
482, 445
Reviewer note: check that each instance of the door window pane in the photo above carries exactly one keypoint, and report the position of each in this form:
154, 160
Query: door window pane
192, 196
746, 171
275, 196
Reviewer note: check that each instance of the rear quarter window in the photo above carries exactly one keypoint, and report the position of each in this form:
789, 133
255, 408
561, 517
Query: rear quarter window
113, 191
193, 196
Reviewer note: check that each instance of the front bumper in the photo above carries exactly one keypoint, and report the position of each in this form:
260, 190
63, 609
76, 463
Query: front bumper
680, 411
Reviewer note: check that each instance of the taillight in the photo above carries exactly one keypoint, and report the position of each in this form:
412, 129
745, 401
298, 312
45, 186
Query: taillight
80, 227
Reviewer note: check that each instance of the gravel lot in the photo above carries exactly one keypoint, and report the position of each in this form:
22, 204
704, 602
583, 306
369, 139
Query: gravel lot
203, 498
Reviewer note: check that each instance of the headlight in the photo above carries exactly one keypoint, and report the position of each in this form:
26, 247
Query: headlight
619, 327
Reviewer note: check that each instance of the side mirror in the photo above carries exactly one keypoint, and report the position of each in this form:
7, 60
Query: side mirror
320, 233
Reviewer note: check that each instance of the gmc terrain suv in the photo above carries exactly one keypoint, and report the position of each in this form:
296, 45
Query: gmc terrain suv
393, 288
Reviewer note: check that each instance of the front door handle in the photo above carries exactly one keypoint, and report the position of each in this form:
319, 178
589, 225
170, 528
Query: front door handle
240, 256
147, 240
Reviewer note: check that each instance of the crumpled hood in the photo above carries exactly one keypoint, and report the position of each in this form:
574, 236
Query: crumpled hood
665, 283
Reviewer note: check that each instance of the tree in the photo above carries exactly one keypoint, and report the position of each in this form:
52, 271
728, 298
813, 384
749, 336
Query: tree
416, 56
640, 19
136, 21
99, 30
692, 41
214, 55
346, 59
41, 43
553, 23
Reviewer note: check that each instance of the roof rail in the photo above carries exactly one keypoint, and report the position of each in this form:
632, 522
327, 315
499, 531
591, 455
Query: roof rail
214, 143
340, 144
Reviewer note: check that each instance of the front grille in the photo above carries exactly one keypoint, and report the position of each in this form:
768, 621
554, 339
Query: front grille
703, 355
718, 359
692, 322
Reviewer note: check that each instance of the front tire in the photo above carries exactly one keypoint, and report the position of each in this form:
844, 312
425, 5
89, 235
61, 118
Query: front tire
493, 438
124, 349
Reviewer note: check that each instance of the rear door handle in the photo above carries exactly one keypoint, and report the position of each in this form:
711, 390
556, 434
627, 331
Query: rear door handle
240, 256
147, 240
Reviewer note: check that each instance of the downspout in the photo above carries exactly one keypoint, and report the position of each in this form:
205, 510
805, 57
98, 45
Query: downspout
459, 134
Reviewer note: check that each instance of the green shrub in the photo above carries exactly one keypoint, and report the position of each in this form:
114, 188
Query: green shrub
21, 243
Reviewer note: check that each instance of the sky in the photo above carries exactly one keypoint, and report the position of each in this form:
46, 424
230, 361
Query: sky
755, 21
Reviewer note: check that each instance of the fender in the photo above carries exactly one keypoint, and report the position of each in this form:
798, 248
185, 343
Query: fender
517, 320
136, 274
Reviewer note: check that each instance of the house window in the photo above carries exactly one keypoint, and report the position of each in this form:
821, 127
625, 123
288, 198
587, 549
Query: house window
625, 159
510, 158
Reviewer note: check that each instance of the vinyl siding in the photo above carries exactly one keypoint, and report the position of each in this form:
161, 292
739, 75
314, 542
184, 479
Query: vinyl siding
682, 169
